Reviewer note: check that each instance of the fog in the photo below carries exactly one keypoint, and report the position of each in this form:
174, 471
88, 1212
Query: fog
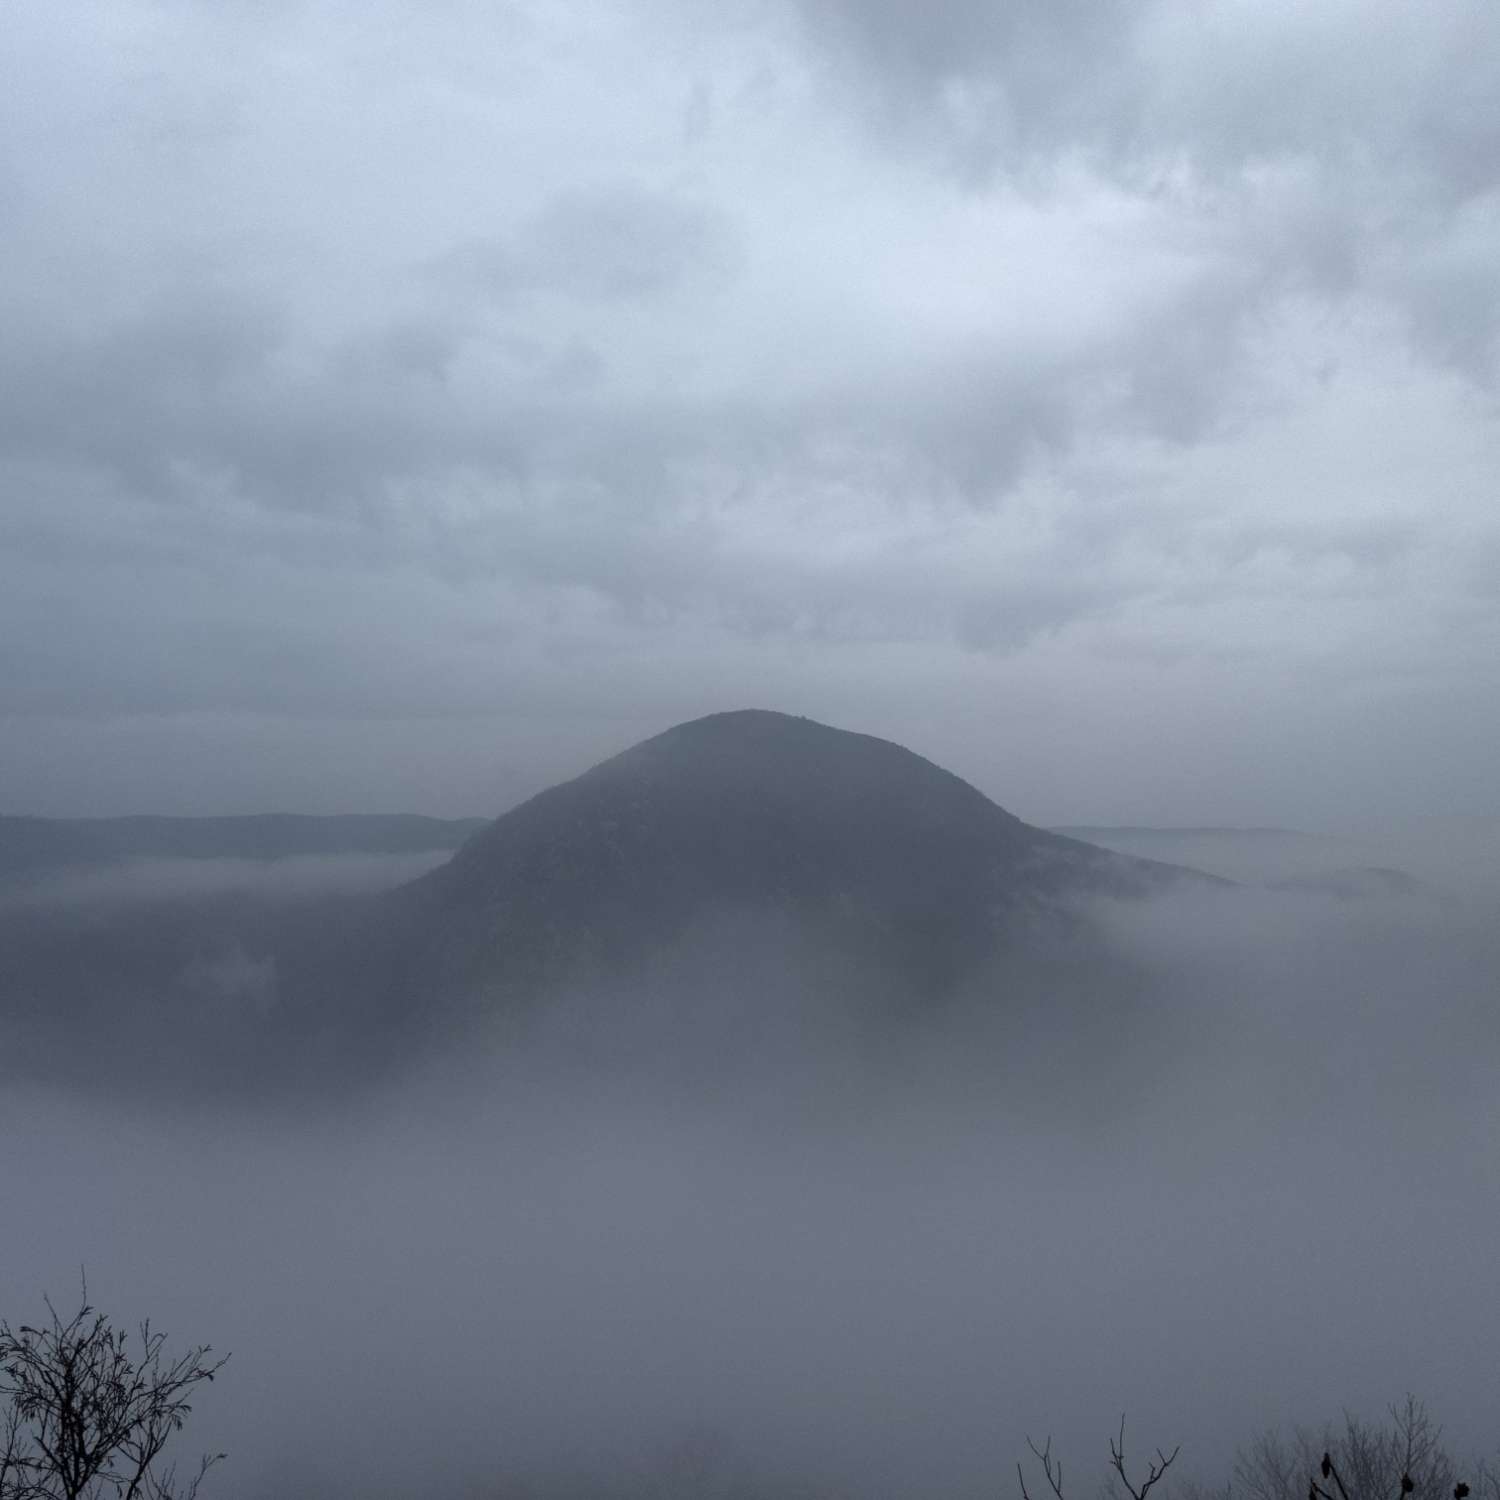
1229, 1162
410, 406
135, 882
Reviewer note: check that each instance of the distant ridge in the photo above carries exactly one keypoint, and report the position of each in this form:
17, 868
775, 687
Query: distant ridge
1282, 859
1089, 831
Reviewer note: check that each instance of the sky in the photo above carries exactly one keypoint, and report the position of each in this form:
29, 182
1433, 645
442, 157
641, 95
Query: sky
403, 407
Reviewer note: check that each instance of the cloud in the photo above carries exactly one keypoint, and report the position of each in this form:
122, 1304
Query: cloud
1064, 337
994, 80
1343, 153
614, 243
1224, 86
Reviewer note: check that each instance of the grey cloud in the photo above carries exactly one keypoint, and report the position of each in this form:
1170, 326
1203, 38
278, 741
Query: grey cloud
135, 394
996, 80
1485, 564
1361, 559
1177, 370
1222, 87
367, 412
1013, 612
1453, 302
1390, 118
185, 400
698, 113
624, 243
185, 408
612, 243
549, 495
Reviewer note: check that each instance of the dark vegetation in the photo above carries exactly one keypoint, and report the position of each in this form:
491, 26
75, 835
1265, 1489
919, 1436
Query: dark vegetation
1402, 1456
92, 1410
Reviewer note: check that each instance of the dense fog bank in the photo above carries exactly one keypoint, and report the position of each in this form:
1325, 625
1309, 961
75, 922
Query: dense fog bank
1236, 1167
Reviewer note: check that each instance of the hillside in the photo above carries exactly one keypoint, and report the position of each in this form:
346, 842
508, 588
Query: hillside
821, 836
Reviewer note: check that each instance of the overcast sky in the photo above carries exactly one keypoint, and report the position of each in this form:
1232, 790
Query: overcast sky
404, 405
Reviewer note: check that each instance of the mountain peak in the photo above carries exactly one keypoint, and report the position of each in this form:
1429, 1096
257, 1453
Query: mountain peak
859, 844
774, 764
765, 728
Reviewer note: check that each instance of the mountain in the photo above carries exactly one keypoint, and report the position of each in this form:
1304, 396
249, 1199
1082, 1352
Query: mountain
36, 846
741, 864
816, 837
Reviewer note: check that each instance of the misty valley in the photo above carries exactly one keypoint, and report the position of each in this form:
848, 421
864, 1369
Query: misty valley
748, 750
764, 1112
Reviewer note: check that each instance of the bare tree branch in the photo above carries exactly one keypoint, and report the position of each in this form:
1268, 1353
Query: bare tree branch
1155, 1469
89, 1417
1051, 1468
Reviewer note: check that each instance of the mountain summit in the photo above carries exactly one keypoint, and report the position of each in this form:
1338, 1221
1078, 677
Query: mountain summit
836, 839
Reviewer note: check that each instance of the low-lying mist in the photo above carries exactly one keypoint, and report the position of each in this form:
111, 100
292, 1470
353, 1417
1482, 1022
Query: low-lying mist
1224, 1160
143, 881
